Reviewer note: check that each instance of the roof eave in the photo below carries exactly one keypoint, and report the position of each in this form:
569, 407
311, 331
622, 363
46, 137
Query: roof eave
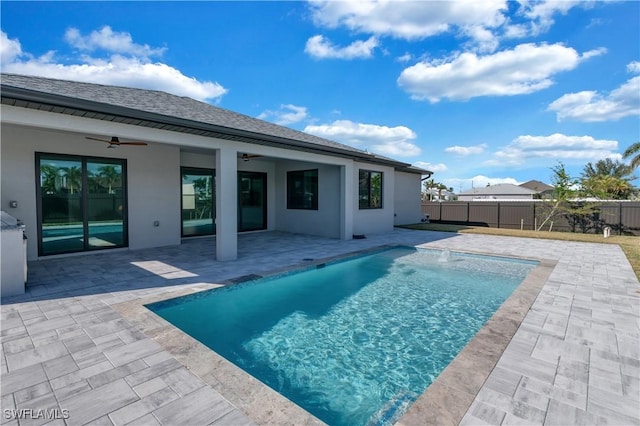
27, 95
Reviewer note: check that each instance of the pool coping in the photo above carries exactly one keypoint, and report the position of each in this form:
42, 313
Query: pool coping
444, 402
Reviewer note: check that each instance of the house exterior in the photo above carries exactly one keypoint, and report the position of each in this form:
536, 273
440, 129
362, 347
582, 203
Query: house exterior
179, 168
502, 191
433, 194
541, 188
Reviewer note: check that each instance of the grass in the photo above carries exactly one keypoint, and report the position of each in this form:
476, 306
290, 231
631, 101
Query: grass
630, 245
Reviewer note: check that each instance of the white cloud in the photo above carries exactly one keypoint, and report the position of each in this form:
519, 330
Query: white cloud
10, 50
483, 39
319, 47
438, 167
590, 106
525, 69
286, 114
466, 150
393, 141
113, 69
525, 150
634, 67
106, 39
541, 13
410, 20
479, 24
405, 58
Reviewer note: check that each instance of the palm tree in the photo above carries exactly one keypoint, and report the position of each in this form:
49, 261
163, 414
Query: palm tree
49, 178
607, 179
633, 150
607, 167
110, 176
73, 178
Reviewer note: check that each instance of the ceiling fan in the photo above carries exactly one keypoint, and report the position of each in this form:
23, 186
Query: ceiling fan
115, 142
246, 157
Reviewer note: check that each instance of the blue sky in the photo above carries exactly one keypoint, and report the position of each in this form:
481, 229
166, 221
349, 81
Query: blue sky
479, 92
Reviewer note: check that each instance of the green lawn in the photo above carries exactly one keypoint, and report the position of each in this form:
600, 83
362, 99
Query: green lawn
630, 245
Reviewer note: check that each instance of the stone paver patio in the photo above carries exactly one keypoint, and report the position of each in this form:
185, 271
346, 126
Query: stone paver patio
70, 355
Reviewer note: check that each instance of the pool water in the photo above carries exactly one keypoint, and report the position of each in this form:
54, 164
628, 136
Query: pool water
357, 341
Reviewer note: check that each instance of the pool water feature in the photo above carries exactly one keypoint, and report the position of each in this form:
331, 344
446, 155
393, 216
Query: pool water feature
357, 341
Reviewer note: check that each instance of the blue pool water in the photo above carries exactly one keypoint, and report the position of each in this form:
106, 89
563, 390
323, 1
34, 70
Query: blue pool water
357, 341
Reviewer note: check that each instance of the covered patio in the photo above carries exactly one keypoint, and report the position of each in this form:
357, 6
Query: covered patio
79, 341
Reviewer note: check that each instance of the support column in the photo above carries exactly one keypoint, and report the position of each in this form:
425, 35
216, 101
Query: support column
347, 201
226, 204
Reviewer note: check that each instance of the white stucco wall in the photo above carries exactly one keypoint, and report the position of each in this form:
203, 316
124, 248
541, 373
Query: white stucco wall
153, 174
374, 221
408, 203
323, 222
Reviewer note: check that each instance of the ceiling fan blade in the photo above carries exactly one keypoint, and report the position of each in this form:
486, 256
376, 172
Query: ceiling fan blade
114, 141
97, 139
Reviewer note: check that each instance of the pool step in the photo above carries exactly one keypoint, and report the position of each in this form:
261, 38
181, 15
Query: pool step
393, 409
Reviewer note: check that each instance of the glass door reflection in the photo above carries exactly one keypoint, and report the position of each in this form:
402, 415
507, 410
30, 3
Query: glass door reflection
105, 204
61, 211
198, 202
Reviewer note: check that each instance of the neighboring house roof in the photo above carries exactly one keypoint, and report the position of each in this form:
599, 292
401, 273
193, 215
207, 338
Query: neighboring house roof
536, 185
160, 110
499, 189
441, 193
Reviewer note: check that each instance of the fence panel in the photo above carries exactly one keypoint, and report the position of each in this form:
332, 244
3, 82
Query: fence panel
630, 218
432, 209
513, 215
454, 212
610, 215
485, 213
557, 223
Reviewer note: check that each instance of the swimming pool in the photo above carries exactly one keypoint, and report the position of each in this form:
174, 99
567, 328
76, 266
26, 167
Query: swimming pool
353, 342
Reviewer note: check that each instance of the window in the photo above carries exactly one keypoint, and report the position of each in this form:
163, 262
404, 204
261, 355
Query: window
81, 203
302, 190
370, 189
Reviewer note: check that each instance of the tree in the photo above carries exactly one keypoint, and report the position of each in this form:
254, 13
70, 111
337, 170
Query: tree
563, 192
607, 179
431, 184
607, 167
633, 151
49, 178
110, 176
72, 178
607, 187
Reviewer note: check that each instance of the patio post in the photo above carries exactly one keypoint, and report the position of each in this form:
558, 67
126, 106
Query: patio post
226, 204
347, 181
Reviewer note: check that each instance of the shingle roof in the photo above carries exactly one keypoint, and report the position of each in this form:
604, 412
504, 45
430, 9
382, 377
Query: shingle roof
499, 189
537, 186
179, 113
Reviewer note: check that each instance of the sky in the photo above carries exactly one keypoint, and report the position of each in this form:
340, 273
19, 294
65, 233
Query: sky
479, 92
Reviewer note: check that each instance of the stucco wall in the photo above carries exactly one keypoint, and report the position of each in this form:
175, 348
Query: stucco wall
408, 204
323, 222
373, 221
153, 182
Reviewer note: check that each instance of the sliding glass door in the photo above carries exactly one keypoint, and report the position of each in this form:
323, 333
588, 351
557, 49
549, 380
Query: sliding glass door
81, 203
252, 201
198, 202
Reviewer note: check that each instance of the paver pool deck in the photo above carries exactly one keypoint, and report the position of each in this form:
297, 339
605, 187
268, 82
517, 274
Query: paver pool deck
78, 348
